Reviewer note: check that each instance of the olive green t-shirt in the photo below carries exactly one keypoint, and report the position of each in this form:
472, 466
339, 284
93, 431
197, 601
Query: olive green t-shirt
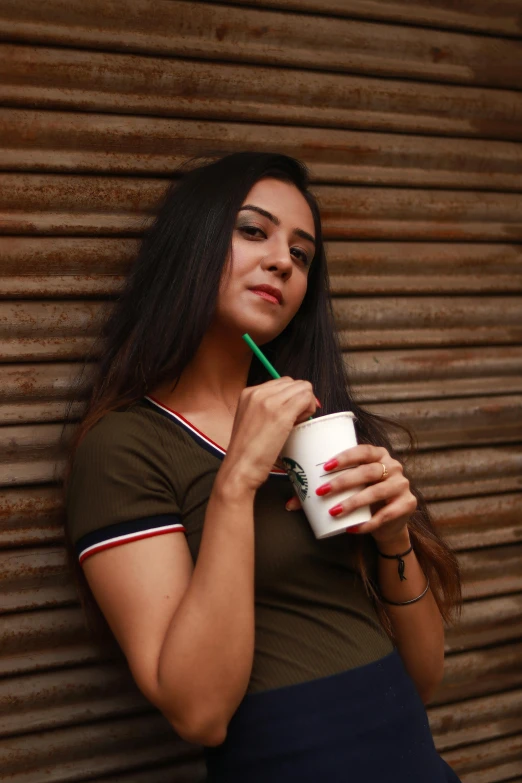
148, 471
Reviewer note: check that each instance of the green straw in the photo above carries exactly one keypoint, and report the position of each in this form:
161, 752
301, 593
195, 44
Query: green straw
262, 358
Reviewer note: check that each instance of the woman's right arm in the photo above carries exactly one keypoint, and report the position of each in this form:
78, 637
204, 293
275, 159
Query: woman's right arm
188, 632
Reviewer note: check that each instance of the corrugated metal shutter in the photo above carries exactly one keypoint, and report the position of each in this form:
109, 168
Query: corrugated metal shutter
410, 117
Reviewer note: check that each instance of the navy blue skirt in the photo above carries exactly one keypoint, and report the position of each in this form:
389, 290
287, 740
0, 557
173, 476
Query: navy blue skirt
366, 725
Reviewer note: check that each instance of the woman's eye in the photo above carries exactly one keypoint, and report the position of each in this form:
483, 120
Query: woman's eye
301, 255
252, 231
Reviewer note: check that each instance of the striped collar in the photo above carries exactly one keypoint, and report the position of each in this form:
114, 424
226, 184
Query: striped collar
207, 443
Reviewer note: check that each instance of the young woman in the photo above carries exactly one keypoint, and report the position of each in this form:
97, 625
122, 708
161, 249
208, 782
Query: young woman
287, 657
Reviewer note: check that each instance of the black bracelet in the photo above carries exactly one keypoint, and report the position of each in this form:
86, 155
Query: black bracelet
399, 560
412, 600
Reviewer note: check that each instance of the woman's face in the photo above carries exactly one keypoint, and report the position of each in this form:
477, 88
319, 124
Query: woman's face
272, 245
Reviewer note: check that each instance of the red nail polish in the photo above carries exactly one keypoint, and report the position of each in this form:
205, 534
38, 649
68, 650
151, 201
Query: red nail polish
353, 529
336, 510
331, 464
318, 403
324, 489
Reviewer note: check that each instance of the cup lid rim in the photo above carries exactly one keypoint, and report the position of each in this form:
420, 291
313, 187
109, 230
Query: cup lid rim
309, 422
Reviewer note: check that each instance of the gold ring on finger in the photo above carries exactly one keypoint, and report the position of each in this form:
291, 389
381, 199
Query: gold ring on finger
385, 473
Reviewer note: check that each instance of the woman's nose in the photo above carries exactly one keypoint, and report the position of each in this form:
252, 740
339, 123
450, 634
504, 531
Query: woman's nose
280, 261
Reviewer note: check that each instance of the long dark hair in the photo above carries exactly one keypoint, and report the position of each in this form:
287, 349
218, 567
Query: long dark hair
167, 305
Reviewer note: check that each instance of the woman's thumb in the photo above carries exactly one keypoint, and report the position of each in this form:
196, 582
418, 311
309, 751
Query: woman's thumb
294, 504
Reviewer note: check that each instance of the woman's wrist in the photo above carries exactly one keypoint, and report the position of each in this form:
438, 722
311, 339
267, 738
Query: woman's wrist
396, 543
231, 487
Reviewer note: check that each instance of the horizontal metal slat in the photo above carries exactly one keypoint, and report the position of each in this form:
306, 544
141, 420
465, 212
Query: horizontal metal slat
476, 720
75, 142
39, 702
84, 266
431, 322
455, 422
34, 579
487, 622
491, 571
430, 374
253, 35
66, 330
45, 78
86, 204
30, 516
44, 391
44, 640
498, 760
477, 673
117, 746
422, 267
431, 13
460, 473
488, 520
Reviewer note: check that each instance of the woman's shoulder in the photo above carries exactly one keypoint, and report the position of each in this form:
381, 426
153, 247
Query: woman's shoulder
135, 429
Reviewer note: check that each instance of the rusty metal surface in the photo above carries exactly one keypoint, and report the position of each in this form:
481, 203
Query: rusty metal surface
58, 204
462, 472
99, 749
423, 267
42, 392
93, 205
31, 331
30, 517
493, 571
498, 760
45, 640
209, 31
434, 322
46, 78
475, 720
452, 422
479, 672
72, 141
431, 13
487, 622
65, 267
419, 374
424, 235
488, 520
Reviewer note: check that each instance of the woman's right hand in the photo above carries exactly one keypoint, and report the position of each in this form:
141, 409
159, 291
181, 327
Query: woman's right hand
264, 419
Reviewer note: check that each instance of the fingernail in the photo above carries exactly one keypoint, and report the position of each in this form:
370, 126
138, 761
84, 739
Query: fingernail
318, 403
336, 510
331, 464
353, 529
288, 506
324, 489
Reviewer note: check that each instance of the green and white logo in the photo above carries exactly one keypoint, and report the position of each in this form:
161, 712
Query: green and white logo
297, 476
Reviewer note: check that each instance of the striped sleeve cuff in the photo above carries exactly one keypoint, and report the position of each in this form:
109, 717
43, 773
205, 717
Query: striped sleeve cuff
125, 532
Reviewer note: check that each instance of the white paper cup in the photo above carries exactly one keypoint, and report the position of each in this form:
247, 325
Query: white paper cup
308, 447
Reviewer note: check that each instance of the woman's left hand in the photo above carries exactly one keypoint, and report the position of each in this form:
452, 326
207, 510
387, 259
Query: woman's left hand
390, 499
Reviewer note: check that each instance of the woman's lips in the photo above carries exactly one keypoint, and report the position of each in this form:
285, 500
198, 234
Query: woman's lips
266, 296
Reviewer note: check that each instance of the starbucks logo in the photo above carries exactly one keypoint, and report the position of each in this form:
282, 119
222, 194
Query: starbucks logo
297, 476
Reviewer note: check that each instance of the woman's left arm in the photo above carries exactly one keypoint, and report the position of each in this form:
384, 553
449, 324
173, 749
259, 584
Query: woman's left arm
417, 627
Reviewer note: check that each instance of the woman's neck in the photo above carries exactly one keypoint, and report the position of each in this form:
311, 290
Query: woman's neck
213, 381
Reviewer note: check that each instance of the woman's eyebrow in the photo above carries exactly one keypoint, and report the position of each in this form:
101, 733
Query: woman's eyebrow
277, 222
